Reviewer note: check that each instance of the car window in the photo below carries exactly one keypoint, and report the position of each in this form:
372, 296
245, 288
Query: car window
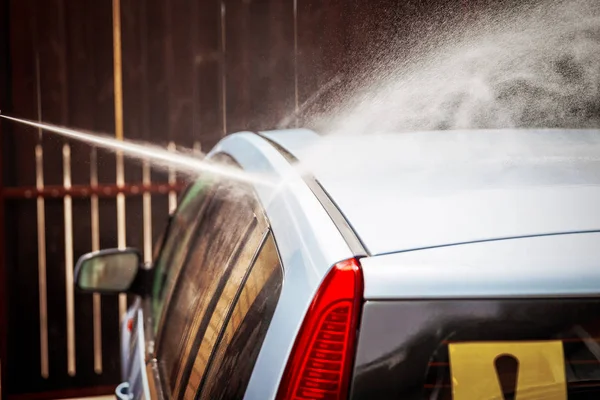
232, 360
479, 349
220, 252
175, 243
206, 337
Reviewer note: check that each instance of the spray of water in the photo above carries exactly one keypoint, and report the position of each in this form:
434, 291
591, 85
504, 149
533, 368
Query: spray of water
535, 68
182, 160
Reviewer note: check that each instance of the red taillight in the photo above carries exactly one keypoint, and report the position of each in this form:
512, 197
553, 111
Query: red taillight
320, 364
130, 324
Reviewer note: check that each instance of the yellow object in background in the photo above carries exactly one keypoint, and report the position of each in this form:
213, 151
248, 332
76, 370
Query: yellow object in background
539, 370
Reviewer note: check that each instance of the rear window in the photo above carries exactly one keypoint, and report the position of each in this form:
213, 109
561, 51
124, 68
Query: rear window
479, 349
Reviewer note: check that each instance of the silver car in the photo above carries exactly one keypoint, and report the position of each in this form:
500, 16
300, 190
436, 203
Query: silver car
428, 265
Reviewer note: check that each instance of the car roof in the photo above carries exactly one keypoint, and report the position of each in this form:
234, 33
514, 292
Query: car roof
407, 191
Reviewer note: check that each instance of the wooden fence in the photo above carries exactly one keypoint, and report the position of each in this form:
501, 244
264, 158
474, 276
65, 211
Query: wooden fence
172, 72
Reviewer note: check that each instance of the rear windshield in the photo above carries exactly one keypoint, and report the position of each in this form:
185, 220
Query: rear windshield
479, 349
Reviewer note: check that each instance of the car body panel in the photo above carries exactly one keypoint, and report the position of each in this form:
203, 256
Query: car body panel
138, 381
438, 188
549, 265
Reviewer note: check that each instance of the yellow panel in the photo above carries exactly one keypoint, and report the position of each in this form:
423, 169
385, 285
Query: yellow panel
540, 373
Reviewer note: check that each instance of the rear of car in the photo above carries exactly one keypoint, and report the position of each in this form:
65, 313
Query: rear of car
482, 269
484, 320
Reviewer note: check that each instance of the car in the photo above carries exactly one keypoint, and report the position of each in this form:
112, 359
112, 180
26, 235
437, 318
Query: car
458, 264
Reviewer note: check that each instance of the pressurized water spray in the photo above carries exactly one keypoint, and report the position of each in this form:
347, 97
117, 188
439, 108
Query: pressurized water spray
160, 156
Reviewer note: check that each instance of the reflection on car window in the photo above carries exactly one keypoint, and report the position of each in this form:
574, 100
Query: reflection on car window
215, 316
232, 361
176, 242
228, 224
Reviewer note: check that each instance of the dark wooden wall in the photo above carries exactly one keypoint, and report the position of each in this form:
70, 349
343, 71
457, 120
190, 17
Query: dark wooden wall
193, 70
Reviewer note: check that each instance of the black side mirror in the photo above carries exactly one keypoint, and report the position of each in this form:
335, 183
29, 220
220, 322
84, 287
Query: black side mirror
112, 271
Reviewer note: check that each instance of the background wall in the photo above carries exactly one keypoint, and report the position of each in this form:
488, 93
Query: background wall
192, 71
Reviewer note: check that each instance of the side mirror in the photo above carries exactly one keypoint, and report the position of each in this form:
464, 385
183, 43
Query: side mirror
108, 271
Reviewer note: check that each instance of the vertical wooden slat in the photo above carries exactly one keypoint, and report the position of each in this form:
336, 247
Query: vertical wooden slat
41, 229
117, 69
118, 99
95, 233
68, 214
